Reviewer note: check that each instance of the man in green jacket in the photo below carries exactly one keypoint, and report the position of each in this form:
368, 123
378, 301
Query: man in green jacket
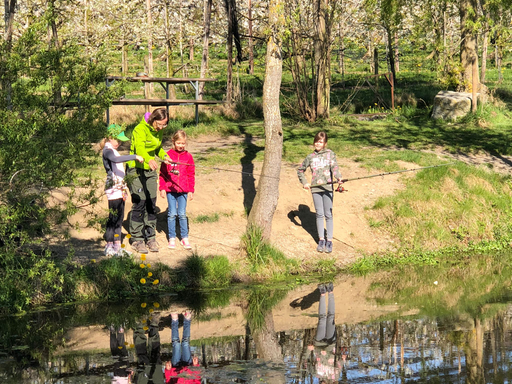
143, 179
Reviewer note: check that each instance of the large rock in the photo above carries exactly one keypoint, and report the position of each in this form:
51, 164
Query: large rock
449, 105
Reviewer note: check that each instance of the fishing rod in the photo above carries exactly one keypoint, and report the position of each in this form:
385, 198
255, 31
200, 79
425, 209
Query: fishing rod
217, 169
341, 189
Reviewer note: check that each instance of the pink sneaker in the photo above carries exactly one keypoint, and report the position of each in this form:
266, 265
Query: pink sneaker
185, 243
172, 244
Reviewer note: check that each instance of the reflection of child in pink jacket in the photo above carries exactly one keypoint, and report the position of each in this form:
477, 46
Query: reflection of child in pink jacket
183, 375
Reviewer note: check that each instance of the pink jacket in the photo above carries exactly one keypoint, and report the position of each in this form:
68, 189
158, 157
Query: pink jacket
180, 178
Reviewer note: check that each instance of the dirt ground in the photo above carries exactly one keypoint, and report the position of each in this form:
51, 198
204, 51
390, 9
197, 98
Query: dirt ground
224, 192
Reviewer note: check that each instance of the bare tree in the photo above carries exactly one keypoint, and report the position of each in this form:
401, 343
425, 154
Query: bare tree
265, 202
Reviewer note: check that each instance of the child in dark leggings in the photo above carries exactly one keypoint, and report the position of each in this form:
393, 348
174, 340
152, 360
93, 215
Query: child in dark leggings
115, 187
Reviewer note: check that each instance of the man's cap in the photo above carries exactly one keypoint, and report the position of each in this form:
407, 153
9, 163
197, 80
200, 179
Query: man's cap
117, 132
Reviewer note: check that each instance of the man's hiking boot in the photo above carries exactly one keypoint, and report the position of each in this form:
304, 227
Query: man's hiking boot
139, 246
153, 245
321, 246
328, 246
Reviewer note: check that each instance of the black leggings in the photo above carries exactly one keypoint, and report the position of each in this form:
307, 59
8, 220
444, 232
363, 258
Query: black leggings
115, 220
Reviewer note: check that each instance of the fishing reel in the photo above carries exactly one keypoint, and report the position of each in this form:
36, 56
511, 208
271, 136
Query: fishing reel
341, 189
174, 171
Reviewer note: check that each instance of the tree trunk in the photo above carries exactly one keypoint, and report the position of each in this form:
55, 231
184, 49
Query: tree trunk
191, 49
468, 46
322, 46
485, 45
150, 46
397, 57
391, 51
233, 36
9, 9
206, 42
251, 53
267, 195
55, 43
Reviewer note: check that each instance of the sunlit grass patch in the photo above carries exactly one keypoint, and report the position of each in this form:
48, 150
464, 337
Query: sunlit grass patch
211, 218
211, 271
446, 206
265, 260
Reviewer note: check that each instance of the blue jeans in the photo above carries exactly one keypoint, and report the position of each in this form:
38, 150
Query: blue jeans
177, 207
180, 351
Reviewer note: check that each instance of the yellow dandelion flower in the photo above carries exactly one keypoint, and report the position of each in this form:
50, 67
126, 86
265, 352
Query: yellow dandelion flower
143, 281
122, 245
120, 347
116, 235
375, 103
132, 345
93, 260
149, 265
156, 305
151, 310
142, 266
419, 64
145, 328
128, 236
143, 305
143, 257
150, 274
156, 282
126, 343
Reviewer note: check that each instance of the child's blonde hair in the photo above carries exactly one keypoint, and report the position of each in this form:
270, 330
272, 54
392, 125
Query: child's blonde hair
180, 134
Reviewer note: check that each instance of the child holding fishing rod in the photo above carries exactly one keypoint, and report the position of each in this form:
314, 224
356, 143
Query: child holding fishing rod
324, 170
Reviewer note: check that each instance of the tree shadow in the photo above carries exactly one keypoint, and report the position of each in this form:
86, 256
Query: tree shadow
248, 181
307, 220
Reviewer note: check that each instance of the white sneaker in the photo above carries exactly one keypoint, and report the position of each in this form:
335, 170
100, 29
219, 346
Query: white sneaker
172, 244
109, 250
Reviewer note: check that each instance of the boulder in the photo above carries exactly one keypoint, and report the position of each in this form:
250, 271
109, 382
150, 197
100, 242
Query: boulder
450, 105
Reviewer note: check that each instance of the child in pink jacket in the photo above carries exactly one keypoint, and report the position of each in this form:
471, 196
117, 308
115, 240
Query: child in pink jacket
177, 181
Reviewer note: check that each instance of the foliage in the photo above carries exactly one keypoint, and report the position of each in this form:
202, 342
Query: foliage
52, 100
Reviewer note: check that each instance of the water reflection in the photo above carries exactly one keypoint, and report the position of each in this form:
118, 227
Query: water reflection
261, 335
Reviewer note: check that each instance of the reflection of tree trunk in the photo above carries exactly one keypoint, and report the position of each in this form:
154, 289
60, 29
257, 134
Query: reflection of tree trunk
268, 349
473, 349
206, 41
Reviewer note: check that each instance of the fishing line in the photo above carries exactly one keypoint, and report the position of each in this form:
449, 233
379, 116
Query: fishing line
223, 169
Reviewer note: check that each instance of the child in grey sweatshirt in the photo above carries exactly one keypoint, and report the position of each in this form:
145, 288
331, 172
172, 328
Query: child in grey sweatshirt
325, 171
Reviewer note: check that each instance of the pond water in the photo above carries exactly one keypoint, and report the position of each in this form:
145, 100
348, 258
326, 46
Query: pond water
356, 334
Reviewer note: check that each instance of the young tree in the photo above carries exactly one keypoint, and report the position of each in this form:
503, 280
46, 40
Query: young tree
206, 42
267, 195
